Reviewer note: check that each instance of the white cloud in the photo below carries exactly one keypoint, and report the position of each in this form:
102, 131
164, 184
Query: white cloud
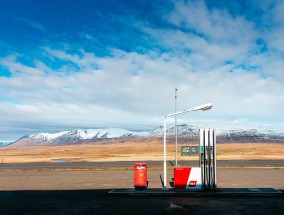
274, 34
214, 24
15, 67
208, 52
207, 38
136, 90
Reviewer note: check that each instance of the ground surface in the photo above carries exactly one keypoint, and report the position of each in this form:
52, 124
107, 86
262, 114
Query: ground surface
107, 175
82, 188
138, 149
76, 179
99, 202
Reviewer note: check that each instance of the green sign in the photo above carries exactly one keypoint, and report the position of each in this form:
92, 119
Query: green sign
189, 150
201, 149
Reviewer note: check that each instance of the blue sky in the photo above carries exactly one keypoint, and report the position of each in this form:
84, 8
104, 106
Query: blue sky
115, 63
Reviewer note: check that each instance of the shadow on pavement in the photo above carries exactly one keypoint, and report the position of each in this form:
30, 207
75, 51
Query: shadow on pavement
100, 202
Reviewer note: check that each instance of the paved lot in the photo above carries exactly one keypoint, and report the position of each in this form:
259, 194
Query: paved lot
220, 163
42, 190
99, 202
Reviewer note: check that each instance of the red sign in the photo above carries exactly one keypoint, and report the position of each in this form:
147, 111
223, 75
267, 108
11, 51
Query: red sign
192, 183
181, 175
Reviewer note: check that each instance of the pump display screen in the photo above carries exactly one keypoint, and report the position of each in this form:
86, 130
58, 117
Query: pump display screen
189, 150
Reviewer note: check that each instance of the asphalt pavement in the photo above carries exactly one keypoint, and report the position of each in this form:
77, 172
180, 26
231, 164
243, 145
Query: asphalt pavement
85, 202
71, 188
220, 163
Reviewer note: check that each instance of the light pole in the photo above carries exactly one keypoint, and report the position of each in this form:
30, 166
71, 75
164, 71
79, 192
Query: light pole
176, 122
203, 107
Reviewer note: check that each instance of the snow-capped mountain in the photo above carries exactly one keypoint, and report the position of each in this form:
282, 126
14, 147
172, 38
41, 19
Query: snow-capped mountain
250, 135
230, 135
185, 132
76, 135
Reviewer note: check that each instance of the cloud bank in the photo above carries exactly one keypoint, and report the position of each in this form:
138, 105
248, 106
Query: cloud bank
233, 60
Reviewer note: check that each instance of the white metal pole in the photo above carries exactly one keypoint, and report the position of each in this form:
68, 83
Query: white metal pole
176, 123
165, 144
165, 156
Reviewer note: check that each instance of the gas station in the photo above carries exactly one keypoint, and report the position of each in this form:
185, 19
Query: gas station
191, 179
202, 177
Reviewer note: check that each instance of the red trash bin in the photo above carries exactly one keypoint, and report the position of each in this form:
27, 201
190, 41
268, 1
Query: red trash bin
140, 176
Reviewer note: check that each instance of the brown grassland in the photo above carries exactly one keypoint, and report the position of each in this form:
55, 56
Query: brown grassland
133, 149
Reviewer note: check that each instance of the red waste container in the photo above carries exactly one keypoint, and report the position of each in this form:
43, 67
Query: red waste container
140, 176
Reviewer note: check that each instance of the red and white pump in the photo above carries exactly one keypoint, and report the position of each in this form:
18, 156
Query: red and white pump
204, 176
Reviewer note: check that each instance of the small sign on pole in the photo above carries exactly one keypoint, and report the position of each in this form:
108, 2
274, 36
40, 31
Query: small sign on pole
189, 150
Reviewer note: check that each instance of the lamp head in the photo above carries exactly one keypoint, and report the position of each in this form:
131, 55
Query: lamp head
203, 107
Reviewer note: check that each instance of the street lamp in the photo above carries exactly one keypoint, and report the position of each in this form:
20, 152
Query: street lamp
176, 123
202, 107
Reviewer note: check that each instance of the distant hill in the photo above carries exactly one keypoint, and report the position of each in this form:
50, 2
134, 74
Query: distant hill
185, 132
75, 136
224, 136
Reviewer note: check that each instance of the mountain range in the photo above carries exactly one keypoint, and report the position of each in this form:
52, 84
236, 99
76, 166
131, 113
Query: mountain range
76, 136
225, 135
185, 132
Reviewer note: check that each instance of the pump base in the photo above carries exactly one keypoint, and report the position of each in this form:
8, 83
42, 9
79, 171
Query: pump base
232, 192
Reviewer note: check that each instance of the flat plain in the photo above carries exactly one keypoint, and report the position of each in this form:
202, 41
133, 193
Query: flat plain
76, 179
134, 149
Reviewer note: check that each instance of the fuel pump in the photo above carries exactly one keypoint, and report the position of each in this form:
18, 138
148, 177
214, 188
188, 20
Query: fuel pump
207, 142
202, 177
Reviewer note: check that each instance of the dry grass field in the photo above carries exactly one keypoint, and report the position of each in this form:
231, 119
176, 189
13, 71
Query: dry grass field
133, 149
